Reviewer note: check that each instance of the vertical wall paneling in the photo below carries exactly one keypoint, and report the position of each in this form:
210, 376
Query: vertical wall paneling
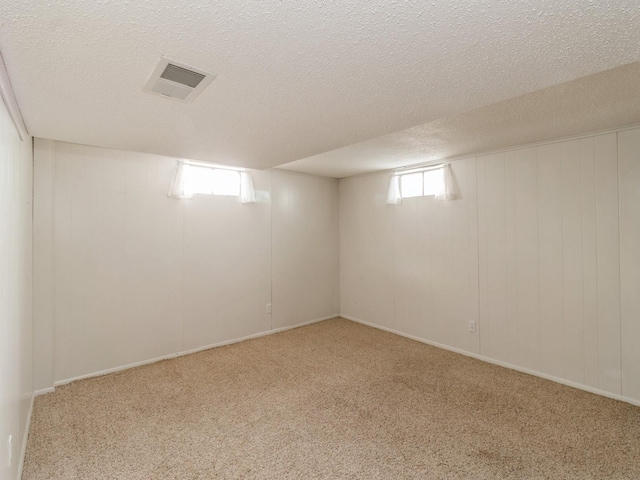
441, 268
496, 327
589, 262
539, 248
62, 259
16, 334
431, 248
424, 291
512, 257
305, 248
552, 234
366, 250
629, 177
227, 267
408, 282
462, 273
542, 250
572, 262
43, 259
482, 327
92, 243
550, 259
138, 275
472, 198
528, 265
113, 259
608, 262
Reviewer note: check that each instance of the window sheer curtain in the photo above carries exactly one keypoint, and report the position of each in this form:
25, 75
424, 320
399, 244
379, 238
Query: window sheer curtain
448, 190
247, 192
393, 195
179, 186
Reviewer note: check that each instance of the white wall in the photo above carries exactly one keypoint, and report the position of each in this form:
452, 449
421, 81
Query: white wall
533, 250
16, 386
305, 248
629, 175
128, 274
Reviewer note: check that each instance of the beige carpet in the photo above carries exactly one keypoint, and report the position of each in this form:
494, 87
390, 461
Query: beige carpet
331, 400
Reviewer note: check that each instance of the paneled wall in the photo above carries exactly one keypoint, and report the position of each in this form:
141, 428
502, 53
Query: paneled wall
629, 175
136, 275
305, 247
539, 248
411, 268
16, 385
549, 269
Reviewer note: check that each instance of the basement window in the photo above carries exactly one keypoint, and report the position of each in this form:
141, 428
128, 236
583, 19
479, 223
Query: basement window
435, 180
422, 184
212, 181
191, 178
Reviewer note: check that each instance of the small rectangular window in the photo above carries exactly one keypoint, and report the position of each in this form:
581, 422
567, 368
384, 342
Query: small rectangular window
422, 183
212, 181
411, 185
226, 182
433, 181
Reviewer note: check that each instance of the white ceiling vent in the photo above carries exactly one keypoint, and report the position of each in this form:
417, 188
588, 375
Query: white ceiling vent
177, 81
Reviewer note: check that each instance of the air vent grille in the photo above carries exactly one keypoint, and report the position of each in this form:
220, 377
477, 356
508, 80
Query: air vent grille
177, 81
182, 76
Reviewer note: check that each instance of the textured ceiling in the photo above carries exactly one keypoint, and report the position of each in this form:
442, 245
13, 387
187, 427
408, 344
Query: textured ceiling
596, 102
295, 78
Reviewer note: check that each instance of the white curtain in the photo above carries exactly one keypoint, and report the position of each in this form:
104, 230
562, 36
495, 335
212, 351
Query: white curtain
447, 192
247, 192
179, 186
393, 196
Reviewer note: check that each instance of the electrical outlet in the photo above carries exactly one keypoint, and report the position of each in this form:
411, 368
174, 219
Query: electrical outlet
268, 309
9, 450
472, 326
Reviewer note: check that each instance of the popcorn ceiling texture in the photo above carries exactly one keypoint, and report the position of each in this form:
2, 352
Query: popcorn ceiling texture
295, 79
332, 400
600, 101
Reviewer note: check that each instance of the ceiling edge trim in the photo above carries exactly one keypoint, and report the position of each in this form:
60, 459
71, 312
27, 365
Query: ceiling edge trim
10, 102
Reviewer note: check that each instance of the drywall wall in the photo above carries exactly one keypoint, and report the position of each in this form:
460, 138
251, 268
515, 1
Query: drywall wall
16, 386
532, 250
131, 275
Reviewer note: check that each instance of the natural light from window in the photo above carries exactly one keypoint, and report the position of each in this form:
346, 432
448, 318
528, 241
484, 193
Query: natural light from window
419, 184
212, 181
412, 185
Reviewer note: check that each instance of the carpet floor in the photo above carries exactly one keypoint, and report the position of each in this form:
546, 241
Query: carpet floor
332, 400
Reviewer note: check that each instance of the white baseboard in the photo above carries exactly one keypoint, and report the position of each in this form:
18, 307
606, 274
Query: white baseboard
42, 391
23, 447
185, 352
535, 373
